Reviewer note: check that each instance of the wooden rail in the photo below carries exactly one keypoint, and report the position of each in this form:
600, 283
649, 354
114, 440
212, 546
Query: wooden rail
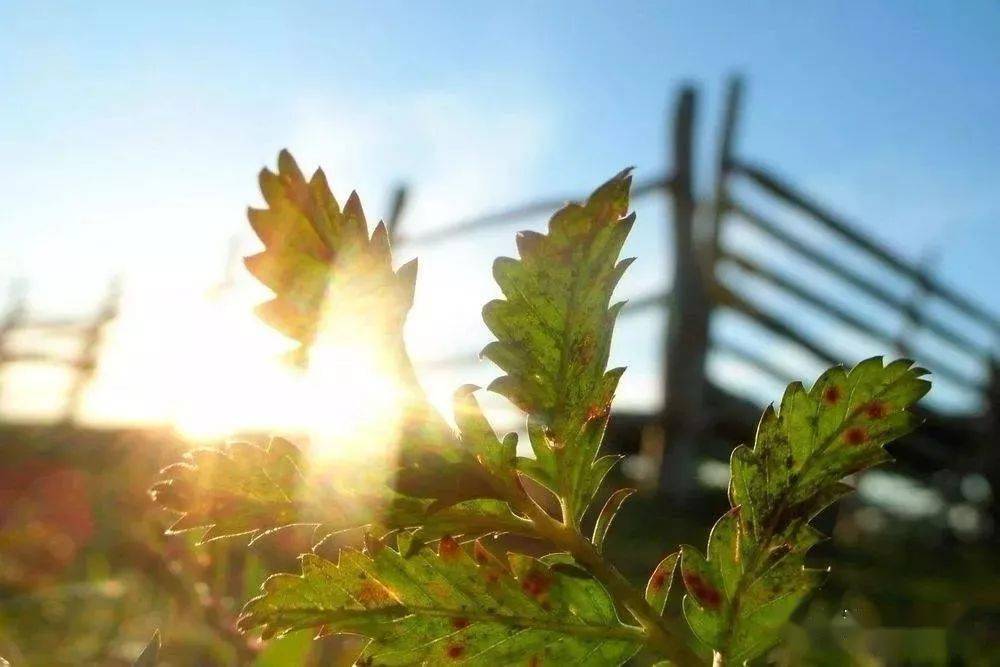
509, 216
857, 281
785, 192
699, 286
88, 333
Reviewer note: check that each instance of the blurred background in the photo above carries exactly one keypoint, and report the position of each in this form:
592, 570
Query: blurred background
814, 185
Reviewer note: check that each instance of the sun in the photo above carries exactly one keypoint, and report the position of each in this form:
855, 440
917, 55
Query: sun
352, 402
346, 405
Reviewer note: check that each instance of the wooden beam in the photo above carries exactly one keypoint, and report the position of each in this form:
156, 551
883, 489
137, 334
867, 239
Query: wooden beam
872, 289
804, 294
782, 190
392, 224
730, 299
516, 214
686, 340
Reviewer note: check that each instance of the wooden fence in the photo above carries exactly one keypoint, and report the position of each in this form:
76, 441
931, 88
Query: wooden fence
698, 418
86, 333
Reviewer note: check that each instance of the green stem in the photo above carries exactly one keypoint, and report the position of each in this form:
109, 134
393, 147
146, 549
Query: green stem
666, 635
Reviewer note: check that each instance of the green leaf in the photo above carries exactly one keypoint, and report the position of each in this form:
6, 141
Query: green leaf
608, 514
245, 489
753, 577
449, 607
241, 489
328, 276
660, 582
335, 285
149, 656
466, 472
554, 332
478, 437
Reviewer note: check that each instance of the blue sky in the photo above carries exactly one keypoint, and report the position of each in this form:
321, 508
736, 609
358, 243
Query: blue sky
131, 134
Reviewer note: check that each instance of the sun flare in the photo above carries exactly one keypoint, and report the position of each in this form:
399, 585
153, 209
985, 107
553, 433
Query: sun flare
351, 402
345, 405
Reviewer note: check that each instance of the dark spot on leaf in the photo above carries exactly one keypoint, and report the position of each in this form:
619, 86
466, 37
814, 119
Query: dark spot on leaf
373, 593
597, 412
855, 435
536, 583
583, 350
703, 591
658, 580
480, 553
448, 547
459, 622
535, 661
789, 461
831, 395
875, 410
455, 651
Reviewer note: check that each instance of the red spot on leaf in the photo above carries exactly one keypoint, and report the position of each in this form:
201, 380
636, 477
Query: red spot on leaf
597, 412
707, 594
448, 547
492, 576
480, 553
536, 583
876, 410
459, 622
855, 435
658, 580
456, 651
831, 395
535, 661
373, 593
584, 349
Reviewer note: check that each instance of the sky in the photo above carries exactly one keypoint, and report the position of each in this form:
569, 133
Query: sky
132, 134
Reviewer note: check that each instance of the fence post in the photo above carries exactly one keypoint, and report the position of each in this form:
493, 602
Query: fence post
723, 165
687, 330
17, 306
86, 363
392, 223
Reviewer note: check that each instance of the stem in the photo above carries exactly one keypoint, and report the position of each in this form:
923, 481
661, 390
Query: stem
718, 660
664, 634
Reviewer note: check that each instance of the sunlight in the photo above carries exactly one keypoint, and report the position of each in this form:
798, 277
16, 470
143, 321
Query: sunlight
350, 402
347, 403
233, 380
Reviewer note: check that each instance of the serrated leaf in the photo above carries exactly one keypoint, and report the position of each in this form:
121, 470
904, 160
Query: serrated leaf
660, 582
328, 276
240, 489
554, 330
608, 514
449, 607
150, 654
477, 436
753, 578
245, 489
334, 285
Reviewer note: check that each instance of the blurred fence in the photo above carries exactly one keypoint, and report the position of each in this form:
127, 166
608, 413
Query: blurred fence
699, 419
695, 413
84, 333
